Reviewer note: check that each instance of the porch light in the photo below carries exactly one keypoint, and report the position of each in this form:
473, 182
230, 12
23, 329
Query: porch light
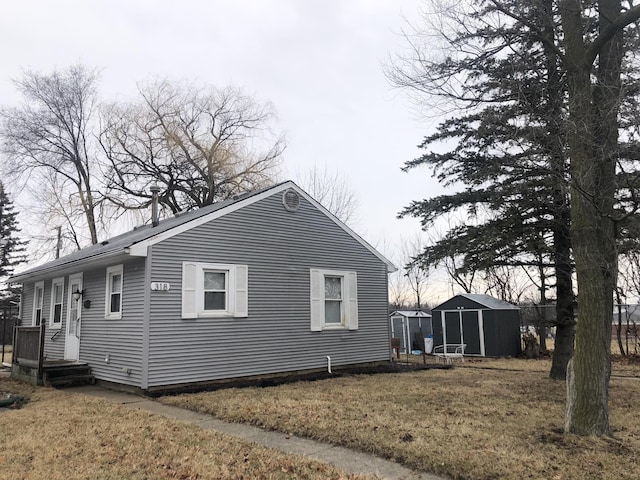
77, 294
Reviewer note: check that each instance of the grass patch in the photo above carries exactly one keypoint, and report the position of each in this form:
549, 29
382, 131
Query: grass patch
487, 420
623, 366
58, 435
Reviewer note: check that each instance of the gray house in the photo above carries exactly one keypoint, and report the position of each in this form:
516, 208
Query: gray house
488, 326
266, 283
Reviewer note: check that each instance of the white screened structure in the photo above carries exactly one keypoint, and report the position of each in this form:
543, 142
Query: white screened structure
411, 327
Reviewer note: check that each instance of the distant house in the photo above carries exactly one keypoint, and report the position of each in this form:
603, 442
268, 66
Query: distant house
265, 283
488, 326
411, 327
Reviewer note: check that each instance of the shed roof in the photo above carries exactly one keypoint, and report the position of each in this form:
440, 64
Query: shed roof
136, 241
411, 313
483, 300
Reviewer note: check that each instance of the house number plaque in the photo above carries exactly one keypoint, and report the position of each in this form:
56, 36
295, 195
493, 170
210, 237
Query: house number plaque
162, 286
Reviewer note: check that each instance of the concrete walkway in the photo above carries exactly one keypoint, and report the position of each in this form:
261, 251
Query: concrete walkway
350, 461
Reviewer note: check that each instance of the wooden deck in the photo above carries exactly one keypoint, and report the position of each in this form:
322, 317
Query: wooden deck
29, 364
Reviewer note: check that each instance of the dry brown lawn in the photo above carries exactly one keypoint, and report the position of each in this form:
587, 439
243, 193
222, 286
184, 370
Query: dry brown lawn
490, 419
58, 435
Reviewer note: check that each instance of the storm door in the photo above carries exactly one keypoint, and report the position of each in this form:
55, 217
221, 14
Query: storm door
74, 312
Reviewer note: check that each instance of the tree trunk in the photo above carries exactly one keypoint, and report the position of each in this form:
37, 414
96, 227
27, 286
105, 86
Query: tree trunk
542, 335
593, 137
563, 351
565, 318
619, 324
563, 264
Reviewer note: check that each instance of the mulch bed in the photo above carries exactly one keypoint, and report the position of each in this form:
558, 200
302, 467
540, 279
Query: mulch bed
271, 381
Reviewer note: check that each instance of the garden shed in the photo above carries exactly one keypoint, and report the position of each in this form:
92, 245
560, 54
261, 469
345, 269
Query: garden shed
411, 327
488, 326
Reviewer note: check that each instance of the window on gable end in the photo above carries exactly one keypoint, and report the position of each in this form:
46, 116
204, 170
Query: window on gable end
334, 300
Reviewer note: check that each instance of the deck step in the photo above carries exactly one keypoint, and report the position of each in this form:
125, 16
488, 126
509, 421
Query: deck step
69, 380
52, 372
67, 374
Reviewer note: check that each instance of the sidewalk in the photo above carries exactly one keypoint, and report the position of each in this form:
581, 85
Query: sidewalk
350, 461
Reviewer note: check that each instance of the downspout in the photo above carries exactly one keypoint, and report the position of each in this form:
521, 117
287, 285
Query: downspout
329, 365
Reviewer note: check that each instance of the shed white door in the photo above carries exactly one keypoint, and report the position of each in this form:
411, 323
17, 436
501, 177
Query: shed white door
464, 326
398, 330
74, 311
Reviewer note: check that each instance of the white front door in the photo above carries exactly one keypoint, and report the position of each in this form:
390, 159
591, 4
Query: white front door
74, 311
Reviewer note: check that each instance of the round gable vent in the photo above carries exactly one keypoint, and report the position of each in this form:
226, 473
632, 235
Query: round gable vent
291, 200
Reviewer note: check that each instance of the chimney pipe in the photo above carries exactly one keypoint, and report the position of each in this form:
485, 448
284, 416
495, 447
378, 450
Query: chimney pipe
155, 189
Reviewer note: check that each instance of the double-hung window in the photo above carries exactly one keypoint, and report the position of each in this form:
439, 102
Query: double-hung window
113, 300
214, 290
334, 300
38, 301
57, 294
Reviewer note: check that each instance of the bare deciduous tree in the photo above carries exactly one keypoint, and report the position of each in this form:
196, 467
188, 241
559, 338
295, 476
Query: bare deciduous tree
398, 291
199, 144
506, 283
333, 190
460, 275
416, 272
46, 144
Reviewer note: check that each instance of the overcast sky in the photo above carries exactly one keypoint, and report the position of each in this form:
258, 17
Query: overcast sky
320, 63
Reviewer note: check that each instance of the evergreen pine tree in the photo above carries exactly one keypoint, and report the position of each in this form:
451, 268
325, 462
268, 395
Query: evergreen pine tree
12, 248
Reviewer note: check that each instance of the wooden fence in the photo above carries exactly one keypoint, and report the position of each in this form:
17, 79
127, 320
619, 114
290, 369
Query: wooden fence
28, 346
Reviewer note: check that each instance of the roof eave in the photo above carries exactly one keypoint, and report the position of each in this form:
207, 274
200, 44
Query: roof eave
139, 248
73, 265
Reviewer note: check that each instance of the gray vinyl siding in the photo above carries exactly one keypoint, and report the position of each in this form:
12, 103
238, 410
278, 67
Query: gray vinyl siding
26, 310
53, 344
120, 339
280, 248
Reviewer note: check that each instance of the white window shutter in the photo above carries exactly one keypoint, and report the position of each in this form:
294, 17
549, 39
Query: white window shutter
241, 298
189, 290
352, 300
317, 301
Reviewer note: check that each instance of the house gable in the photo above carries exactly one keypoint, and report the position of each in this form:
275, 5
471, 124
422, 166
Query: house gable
140, 248
280, 248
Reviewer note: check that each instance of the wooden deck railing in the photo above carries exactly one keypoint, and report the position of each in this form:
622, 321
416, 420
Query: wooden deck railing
28, 346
